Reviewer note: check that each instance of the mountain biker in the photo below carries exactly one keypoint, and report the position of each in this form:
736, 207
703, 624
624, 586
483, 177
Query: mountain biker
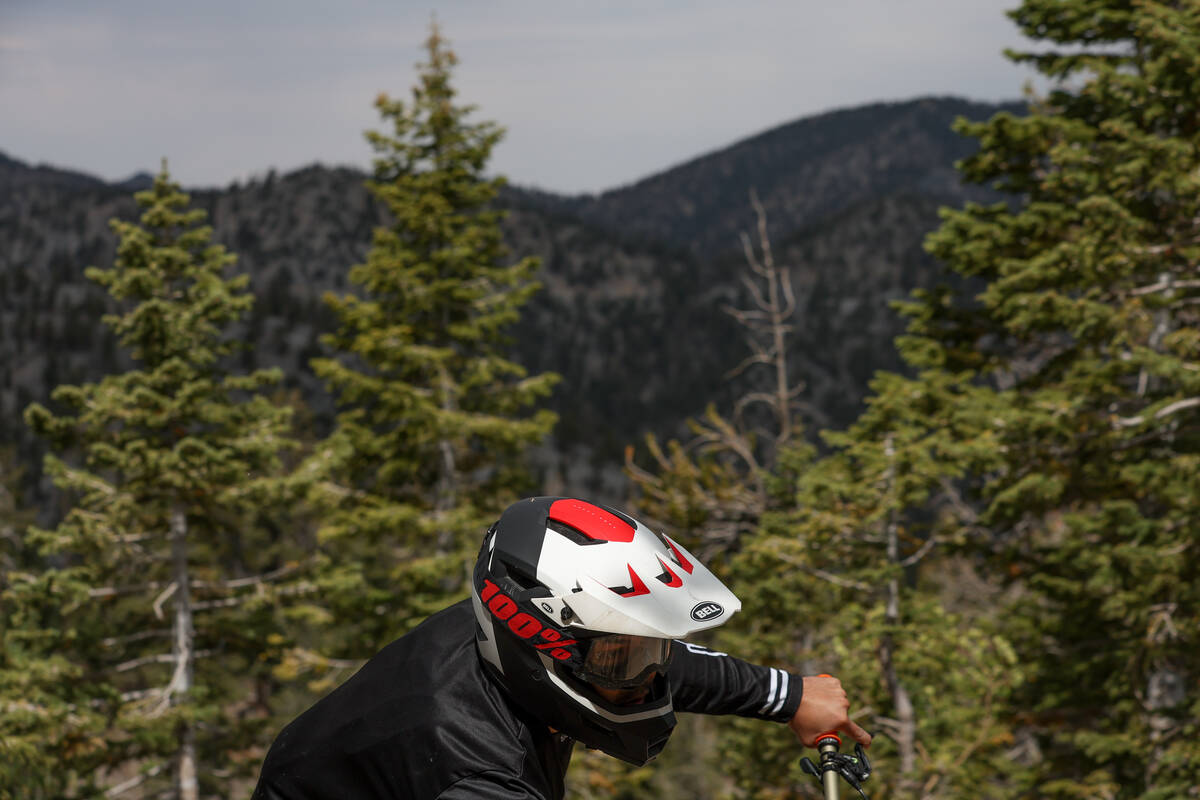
573, 632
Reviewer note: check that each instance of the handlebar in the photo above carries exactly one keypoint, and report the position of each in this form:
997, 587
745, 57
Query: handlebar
853, 769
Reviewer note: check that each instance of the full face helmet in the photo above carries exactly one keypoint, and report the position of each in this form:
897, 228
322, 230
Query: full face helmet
577, 607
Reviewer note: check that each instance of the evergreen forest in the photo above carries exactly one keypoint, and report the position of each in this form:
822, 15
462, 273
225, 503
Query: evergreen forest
996, 547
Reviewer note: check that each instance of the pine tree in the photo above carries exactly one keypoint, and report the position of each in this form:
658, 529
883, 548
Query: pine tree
30, 697
15, 515
710, 492
149, 627
840, 562
1089, 329
435, 418
847, 574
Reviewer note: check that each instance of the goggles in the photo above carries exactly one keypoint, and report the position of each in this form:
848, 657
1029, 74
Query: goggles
621, 661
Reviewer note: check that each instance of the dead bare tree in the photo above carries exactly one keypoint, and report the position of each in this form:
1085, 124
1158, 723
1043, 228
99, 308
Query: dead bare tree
718, 476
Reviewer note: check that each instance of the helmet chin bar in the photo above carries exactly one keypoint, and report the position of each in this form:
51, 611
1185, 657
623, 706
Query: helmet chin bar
596, 704
641, 679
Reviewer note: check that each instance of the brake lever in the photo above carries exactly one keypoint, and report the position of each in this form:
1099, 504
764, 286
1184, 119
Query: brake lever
854, 769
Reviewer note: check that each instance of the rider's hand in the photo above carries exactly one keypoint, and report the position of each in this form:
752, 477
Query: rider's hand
824, 707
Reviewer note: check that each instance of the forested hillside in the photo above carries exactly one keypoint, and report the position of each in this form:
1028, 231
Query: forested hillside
635, 279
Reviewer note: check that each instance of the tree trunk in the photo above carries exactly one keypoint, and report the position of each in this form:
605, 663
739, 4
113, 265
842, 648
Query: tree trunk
183, 649
779, 328
1162, 326
906, 727
446, 492
1166, 689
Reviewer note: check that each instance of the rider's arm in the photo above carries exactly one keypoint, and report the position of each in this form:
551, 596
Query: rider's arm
709, 682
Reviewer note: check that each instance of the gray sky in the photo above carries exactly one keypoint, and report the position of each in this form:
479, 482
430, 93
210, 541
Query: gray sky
593, 95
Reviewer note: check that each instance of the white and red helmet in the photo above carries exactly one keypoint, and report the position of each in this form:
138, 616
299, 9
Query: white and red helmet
571, 596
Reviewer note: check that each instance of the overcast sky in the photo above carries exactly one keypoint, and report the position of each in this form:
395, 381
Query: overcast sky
593, 95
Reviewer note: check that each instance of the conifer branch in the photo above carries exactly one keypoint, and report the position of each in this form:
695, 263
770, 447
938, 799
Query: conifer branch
754, 397
756, 295
640, 476
748, 251
157, 658
235, 583
252, 580
23, 706
1162, 625
722, 435
921, 552
112, 591
166, 593
232, 602
309, 657
979, 741
956, 499
886, 725
227, 602
136, 781
756, 357
745, 316
1165, 411
134, 663
1164, 285
816, 572
789, 297
91, 481
113, 641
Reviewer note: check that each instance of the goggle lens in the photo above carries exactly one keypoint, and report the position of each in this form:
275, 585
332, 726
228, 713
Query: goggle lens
620, 661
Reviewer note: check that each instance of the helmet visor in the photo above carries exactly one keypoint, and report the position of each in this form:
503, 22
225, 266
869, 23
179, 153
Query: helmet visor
620, 661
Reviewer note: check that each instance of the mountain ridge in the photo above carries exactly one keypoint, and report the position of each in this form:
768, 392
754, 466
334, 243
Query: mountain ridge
634, 279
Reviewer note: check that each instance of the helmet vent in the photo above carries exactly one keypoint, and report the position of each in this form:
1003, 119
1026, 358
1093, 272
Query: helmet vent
678, 556
668, 576
636, 587
575, 535
522, 579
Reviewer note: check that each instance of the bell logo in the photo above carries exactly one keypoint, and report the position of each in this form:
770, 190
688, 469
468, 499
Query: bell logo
705, 611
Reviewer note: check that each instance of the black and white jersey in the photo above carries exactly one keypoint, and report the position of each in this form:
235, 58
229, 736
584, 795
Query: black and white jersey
705, 681
423, 720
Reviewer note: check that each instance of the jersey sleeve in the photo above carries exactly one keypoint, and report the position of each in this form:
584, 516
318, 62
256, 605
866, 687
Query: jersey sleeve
706, 681
491, 785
